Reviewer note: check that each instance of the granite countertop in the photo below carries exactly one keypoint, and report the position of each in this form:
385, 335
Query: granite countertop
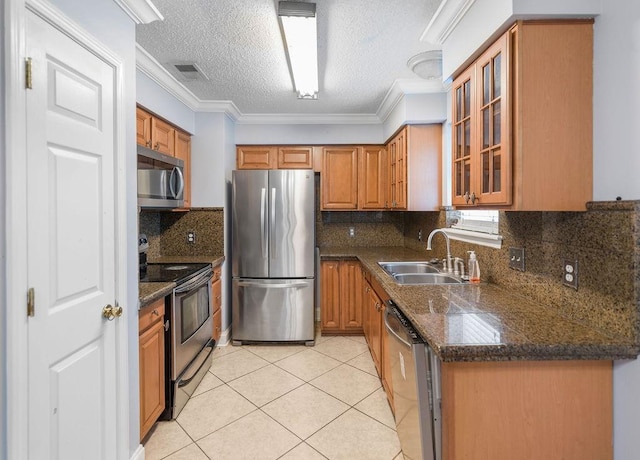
484, 322
148, 292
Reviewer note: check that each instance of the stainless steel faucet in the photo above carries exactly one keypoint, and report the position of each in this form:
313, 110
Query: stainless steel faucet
449, 263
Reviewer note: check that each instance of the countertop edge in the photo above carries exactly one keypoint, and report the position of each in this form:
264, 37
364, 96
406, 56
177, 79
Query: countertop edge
490, 352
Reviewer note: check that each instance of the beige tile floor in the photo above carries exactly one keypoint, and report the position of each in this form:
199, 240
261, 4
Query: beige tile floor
286, 402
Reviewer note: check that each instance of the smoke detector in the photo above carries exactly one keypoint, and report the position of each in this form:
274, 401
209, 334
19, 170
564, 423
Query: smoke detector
186, 71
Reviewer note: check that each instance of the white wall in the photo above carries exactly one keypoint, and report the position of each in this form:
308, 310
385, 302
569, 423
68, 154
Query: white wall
3, 259
416, 109
309, 134
616, 169
111, 26
153, 97
208, 161
616, 99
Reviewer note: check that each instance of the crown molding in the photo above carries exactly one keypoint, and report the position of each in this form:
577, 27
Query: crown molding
309, 119
141, 11
148, 65
445, 19
402, 87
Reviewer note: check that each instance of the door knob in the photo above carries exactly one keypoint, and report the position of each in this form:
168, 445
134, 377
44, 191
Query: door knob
109, 312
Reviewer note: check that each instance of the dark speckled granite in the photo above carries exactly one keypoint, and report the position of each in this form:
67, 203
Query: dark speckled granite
604, 240
167, 232
486, 322
148, 292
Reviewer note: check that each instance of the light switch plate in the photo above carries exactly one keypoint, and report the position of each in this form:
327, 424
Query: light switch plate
516, 258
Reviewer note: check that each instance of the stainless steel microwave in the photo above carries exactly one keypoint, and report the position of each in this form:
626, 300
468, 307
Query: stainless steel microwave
160, 180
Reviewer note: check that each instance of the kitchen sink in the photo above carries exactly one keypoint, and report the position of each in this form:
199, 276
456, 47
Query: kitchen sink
394, 268
426, 278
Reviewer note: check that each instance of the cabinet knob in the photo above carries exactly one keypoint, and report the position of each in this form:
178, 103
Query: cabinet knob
466, 197
473, 197
155, 312
157, 147
148, 143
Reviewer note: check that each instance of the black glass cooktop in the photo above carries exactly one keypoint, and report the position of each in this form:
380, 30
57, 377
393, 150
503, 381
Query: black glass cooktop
170, 272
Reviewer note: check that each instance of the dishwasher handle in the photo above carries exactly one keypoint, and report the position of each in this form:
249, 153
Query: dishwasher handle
390, 329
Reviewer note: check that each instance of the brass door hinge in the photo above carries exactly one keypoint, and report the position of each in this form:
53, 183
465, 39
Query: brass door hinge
31, 305
27, 70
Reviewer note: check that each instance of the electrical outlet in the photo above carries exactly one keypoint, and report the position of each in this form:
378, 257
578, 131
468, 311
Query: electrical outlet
191, 237
516, 258
570, 273
352, 232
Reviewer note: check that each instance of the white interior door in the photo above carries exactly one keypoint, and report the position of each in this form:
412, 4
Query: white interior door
71, 248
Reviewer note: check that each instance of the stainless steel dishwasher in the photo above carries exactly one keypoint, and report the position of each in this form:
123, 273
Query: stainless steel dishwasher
415, 378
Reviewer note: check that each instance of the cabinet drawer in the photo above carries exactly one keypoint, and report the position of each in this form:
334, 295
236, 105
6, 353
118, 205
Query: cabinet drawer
150, 314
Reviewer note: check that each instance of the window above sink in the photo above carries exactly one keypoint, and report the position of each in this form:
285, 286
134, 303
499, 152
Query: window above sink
475, 226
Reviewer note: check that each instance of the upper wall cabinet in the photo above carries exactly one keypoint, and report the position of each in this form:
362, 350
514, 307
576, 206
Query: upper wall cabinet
339, 178
415, 169
522, 120
154, 133
274, 157
157, 134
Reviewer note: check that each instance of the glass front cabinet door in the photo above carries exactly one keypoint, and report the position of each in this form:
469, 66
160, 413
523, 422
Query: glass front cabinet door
481, 154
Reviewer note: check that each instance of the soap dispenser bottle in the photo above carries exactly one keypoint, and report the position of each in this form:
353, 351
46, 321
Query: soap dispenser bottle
474, 268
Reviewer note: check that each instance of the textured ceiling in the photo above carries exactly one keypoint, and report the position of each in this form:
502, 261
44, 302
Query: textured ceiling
363, 47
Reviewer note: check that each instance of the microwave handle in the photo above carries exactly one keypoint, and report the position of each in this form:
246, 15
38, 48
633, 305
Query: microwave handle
180, 178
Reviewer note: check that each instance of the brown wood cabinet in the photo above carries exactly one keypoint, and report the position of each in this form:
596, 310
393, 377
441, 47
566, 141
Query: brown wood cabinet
183, 151
372, 177
274, 157
527, 410
374, 305
152, 365
155, 133
143, 127
339, 178
341, 297
216, 303
255, 157
415, 168
522, 120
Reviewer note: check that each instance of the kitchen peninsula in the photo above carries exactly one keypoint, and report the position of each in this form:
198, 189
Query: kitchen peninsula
518, 379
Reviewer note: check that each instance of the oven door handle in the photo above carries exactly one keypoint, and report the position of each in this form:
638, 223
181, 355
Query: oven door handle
202, 357
196, 282
273, 285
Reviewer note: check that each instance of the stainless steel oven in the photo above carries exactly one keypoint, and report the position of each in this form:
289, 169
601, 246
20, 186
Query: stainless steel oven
191, 320
189, 329
191, 343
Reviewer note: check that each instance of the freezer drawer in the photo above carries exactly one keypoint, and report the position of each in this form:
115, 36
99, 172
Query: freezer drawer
272, 310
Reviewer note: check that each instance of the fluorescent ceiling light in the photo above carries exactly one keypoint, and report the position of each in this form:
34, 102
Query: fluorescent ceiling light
298, 21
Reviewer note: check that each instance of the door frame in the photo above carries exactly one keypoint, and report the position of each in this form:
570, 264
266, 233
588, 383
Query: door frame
16, 352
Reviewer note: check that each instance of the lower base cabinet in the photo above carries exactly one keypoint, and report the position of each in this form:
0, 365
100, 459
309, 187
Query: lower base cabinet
527, 410
341, 297
152, 366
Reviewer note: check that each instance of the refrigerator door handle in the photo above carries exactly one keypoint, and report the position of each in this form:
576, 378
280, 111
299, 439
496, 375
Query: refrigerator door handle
263, 223
272, 226
269, 286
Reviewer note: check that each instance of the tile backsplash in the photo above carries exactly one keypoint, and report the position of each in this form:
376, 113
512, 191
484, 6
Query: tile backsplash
167, 232
604, 241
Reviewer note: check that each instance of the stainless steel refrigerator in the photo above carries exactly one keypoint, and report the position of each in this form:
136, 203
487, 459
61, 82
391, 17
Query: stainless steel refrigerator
273, 269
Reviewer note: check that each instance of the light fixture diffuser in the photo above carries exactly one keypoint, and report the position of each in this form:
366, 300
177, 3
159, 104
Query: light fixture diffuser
298, 20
